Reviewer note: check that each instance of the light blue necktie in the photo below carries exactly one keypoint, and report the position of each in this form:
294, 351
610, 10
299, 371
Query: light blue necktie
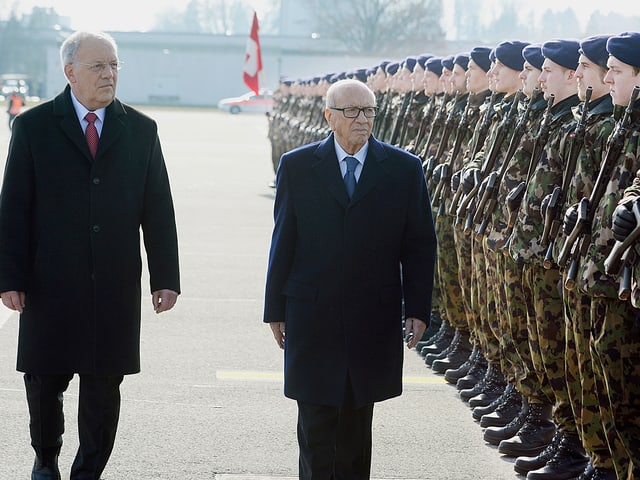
350, 176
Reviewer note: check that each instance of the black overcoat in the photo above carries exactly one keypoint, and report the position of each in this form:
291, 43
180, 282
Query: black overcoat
339, 270
70, 236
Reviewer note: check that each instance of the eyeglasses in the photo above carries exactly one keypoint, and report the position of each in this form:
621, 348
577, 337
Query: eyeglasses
353, 112
102, 66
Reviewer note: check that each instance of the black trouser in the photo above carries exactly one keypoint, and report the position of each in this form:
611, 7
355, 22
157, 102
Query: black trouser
335, 442
98, 414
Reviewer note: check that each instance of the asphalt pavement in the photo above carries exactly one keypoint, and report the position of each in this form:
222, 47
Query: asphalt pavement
208, 403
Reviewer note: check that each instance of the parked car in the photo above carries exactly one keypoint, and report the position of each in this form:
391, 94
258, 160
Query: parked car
249, 102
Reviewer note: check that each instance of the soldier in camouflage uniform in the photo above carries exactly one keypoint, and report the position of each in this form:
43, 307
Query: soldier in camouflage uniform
505, 74
544, 301
578, 182
477, 84
615, 341
515, 335
459, 349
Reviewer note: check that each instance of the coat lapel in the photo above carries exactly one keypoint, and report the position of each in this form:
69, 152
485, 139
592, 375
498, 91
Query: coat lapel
372, 171
113, 123
328, 170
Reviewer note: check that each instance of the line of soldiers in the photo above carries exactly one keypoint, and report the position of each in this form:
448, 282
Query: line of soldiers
532, 157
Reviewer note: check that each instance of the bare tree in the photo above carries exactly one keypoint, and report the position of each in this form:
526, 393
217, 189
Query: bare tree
367, 26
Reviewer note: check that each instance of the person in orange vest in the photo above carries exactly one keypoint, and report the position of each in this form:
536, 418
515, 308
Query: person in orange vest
16, 102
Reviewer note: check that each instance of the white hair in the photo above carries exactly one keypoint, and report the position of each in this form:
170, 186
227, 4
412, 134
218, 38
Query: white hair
340, 84
69, 47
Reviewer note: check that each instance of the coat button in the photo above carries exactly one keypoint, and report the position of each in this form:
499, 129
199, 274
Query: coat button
95, 228
96, 180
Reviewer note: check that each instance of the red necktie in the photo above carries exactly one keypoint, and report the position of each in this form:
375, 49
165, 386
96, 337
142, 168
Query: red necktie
91, 133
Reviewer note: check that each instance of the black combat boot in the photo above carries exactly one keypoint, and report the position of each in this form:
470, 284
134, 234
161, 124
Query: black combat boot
603, 474
452, 375
524, 465
45, 466
569, 461
458, 353
476, 373
478, 388
494, 435
534, 436
588, 472
434, 327
441, 340
494, 387
505, 412
432, 357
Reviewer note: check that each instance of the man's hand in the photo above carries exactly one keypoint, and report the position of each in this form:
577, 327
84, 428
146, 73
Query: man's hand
415, 328
277, 328
163, 300
13, 300
623, 221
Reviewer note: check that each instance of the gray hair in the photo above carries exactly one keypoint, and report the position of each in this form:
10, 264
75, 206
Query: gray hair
69, 47
335, 87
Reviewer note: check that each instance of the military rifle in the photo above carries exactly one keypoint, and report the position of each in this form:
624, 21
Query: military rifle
386, 114
428, 165
623, 253
404, 127
553, 215
483, 131
514, 197
489, 162
426, 118
444, 185
578, 240
449, 124
400, 116
489, 200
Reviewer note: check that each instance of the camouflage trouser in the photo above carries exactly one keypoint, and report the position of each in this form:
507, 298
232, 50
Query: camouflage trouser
615, 347
527, 382
465, 276
488, 341
587, 401
544, 310
437, 301
498, 316
447, 265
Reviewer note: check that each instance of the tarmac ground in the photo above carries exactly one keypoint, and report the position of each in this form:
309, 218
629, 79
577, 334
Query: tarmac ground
208, 403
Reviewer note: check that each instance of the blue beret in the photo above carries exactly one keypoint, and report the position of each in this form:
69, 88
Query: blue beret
562, 52
392, 68
409, 63
383, 65
447, 62
334, 78
509, 53
533, 54
434, 65
461, 59
360, 74
595, 49
480, 55
492, 55
422, 59
625, 47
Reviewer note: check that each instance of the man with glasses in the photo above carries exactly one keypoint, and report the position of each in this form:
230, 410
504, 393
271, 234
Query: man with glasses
84, 174
353, 244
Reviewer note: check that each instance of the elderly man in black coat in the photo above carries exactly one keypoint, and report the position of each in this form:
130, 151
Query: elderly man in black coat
71, 209
353, 239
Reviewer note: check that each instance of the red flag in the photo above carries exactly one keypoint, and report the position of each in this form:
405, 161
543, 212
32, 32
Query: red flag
253, 58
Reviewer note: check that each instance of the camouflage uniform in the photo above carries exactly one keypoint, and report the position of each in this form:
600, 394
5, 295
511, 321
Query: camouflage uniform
544, 301
615, 342
588, 399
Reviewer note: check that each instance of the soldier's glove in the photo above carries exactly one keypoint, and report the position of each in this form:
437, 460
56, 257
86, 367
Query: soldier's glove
544, 205
469, 179
623, 221
437, 173
455, 181
570, 219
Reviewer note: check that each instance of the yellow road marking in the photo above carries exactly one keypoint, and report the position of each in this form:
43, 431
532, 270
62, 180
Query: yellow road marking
250, 375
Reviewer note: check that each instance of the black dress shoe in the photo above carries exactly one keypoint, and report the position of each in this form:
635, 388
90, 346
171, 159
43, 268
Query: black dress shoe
45, 469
